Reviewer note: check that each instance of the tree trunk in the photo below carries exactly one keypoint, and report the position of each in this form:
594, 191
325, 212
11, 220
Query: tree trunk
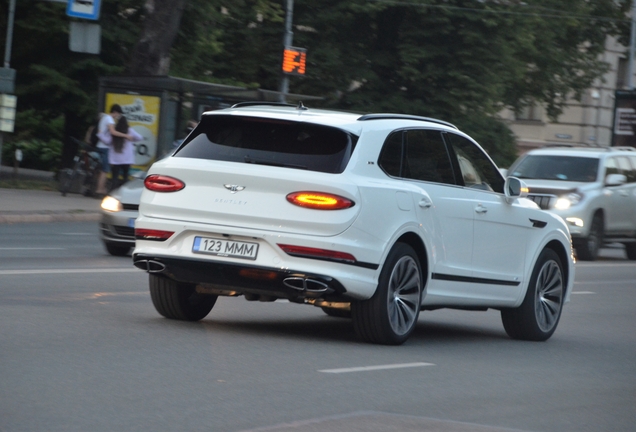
151, 55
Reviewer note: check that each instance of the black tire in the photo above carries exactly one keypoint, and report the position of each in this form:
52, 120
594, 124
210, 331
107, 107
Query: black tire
117, 250
537, 317
587, 249
630, 250
390, 316
179, 301
338, 313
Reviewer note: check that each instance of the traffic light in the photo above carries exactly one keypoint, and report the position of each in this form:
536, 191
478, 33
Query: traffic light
294, 60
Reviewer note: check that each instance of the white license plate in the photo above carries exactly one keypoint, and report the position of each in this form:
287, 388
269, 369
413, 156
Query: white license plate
225, 248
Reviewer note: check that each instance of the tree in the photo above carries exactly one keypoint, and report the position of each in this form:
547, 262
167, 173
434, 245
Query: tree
460, 60
151, 55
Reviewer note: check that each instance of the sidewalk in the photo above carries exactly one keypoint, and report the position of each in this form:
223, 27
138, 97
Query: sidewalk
23, 206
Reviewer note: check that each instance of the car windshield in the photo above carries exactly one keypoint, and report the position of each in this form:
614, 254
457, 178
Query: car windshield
270, 142
564, 168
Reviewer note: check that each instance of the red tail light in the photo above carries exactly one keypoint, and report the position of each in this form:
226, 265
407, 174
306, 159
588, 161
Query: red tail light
325, 254
162, 183
151, 234
319, 200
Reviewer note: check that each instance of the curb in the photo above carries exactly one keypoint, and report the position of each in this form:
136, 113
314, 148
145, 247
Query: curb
8, 218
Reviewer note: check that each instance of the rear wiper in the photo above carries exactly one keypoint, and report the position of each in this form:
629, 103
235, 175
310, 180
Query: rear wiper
250, 160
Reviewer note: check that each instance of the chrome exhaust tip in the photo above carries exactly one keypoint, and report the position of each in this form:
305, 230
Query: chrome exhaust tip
151, 266
305, 284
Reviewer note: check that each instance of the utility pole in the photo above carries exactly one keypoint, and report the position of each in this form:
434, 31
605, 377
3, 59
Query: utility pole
7, 54
287, 41
632, 43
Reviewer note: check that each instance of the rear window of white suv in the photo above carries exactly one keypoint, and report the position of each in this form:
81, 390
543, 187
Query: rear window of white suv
271, 142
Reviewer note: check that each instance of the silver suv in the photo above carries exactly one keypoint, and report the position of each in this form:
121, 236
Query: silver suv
593, 189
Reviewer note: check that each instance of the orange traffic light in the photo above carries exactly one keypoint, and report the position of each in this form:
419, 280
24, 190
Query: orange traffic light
294, 60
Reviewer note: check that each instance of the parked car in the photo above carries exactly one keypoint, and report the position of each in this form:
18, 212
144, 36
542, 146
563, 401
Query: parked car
374, 217
592, 188
119, 209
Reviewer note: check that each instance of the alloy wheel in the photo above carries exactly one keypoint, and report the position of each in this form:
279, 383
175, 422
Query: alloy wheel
404, 295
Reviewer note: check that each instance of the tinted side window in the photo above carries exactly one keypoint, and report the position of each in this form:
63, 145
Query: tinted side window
611, 167
477, 171
624, 166
391, 156
426, 157
632, 159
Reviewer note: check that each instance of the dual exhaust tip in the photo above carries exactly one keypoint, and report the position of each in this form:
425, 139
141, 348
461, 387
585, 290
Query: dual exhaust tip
151, 266
295, 282
306, 284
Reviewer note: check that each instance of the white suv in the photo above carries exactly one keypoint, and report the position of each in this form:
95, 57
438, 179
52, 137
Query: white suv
592, 188
373, 217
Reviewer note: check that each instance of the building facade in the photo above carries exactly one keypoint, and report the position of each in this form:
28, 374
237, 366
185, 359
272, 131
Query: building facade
588, 122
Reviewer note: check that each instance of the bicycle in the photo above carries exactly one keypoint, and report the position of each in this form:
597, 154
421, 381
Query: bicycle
83, 174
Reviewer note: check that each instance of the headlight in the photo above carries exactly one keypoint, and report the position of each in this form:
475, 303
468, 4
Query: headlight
565, 202
111, 204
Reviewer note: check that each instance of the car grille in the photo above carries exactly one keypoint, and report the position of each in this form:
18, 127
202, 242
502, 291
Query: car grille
124, 231
544, 201
130, 206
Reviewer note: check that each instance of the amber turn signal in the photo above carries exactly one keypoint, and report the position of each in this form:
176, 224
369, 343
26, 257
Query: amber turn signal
319, 200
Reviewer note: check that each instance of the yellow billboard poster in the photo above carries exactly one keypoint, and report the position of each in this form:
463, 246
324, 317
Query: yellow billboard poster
142, 113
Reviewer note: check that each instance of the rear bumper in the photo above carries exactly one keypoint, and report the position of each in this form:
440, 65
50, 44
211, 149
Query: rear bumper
234, 279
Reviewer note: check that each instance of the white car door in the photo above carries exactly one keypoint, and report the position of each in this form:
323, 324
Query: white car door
501, 230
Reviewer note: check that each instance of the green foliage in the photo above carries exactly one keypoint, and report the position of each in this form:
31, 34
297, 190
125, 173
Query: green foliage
36, 154
459, 60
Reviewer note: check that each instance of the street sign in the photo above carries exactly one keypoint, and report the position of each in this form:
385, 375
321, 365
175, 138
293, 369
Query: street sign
7, 80
87, 9
85, 37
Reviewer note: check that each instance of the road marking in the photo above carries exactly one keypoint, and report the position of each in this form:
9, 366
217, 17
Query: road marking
80, 234
373, 368
614, 282
31, 248
583, 292
68, 271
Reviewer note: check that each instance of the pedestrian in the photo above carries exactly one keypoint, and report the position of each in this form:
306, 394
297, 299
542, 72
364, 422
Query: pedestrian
121, 154
106, 132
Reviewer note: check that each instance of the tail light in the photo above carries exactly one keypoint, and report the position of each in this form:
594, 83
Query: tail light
151, 234
324, 254
319, 200
162, 183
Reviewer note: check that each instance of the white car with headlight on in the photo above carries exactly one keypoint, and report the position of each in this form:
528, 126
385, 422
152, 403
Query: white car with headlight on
118, 213
592, 188
374, 216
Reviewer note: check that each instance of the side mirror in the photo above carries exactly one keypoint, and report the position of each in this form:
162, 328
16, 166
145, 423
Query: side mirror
515, 188
615, 180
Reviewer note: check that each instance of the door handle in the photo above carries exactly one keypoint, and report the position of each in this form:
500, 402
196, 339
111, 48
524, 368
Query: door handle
481, 209
425, 202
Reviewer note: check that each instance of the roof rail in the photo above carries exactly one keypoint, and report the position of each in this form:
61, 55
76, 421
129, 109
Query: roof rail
551, 145
389, 116
257, 103
623, 148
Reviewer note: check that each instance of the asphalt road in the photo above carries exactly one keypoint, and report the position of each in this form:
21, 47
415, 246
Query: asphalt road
82, 349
